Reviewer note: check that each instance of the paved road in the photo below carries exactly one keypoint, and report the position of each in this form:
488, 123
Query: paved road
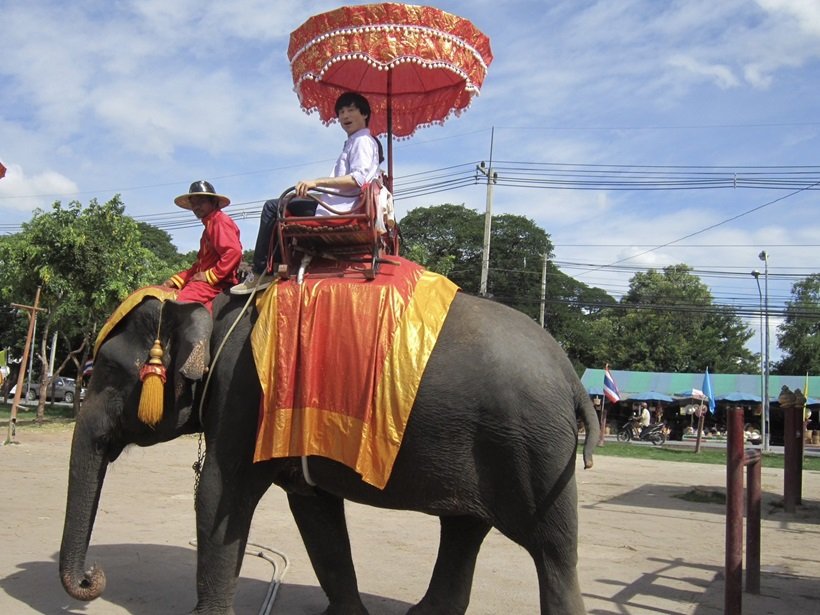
643, 549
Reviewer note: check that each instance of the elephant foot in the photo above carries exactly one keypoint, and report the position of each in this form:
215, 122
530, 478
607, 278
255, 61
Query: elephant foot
426, 607
210, 611
346, 610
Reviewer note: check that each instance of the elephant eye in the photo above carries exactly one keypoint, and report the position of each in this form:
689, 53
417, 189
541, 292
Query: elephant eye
102, 444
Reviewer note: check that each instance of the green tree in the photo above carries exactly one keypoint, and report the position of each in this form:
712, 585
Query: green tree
517, 251
580, 317
799, 334
159, 243
446, 239
449, 239
86, 260
668, 322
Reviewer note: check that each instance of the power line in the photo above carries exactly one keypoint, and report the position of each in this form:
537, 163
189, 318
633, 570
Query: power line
690, 245
717, 224
749, 311
564, 127
552, 175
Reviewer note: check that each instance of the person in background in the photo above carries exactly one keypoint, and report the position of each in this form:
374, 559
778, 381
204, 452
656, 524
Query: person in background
357, 165
220, 249
644, 418
658, 414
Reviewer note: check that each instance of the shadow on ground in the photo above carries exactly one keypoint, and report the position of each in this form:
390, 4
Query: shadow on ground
160, 579
673, 497
676, 582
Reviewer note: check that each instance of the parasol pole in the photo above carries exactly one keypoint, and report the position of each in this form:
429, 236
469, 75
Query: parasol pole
390, 129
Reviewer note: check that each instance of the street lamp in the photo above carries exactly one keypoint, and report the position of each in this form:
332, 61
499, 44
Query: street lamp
764, 256
763, 427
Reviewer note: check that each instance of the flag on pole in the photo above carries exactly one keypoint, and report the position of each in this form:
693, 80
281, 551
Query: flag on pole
610, 388
707, 390
806, 411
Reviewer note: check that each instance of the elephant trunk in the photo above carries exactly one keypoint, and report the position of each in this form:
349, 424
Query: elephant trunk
87, 472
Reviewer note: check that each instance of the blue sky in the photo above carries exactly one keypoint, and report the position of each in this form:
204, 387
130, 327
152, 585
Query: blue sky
142, 97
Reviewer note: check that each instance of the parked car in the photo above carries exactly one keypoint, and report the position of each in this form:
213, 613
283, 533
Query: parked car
60, 389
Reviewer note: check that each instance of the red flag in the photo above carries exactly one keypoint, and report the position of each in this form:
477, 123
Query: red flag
610, 388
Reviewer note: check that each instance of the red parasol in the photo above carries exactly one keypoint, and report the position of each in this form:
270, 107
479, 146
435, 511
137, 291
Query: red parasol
2, 171
417, 65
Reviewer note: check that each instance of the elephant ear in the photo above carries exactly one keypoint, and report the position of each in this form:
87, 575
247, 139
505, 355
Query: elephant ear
191, 326
187, 329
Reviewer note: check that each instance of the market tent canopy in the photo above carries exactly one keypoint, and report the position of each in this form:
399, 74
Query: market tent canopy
631, 383
650, 396
739, 396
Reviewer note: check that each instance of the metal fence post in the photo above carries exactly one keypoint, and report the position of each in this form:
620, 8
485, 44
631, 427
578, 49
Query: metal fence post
753, 499
733, 601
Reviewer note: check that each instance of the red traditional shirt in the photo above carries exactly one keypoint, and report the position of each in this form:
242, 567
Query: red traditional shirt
219, 252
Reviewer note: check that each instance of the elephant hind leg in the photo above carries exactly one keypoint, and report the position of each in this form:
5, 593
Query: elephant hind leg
552, 542
452, 580
558, 586
553, 546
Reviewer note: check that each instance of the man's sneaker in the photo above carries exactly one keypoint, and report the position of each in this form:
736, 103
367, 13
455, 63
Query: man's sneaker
253, 282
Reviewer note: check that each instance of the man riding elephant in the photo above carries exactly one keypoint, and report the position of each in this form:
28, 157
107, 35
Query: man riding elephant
220, 250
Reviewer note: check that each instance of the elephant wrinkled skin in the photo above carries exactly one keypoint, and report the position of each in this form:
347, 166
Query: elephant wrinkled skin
491, 442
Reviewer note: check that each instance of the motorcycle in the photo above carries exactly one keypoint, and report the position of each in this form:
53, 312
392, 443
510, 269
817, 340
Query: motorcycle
631, 430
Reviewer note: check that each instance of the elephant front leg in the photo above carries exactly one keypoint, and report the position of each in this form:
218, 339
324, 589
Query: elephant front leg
224, 510
321, 522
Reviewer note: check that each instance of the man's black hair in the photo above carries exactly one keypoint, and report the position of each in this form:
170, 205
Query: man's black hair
357, 100
360, 102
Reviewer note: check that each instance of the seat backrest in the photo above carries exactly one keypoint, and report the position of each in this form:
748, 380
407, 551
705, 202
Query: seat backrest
344, 233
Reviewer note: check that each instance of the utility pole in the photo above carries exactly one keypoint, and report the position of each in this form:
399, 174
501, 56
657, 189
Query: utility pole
32, 309
543, 290
764, 433
492, 178
764, 256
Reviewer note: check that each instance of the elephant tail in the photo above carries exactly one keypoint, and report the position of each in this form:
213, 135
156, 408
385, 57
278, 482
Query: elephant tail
592, 428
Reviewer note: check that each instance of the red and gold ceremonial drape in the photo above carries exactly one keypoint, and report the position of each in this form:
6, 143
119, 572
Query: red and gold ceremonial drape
340, 361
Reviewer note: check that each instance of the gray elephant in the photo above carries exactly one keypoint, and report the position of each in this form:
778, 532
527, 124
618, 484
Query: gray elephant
491, 442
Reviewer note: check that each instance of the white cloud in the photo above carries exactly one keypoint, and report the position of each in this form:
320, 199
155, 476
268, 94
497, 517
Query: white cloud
757, 76
23, 193
806, 12
719, 74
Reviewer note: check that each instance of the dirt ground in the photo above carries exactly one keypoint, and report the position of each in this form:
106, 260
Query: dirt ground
643, 550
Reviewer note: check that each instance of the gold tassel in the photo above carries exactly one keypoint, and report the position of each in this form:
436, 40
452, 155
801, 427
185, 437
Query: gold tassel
152, 376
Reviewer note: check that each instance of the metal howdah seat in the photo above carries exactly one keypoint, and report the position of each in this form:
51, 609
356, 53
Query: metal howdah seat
339, 244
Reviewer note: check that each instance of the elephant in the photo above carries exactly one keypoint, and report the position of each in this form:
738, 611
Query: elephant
491, 442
